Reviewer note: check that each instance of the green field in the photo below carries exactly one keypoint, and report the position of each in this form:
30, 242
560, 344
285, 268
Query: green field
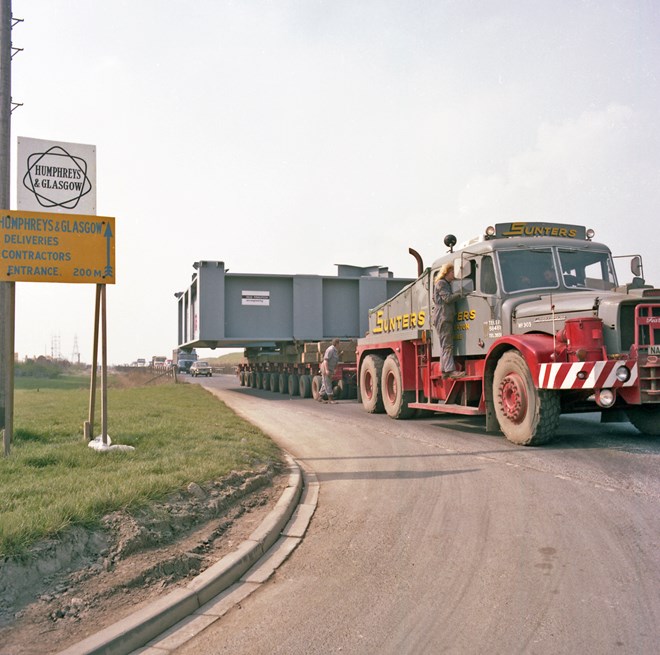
52, 479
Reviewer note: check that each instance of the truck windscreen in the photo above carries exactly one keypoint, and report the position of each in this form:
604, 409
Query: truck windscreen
527, 269
587, 269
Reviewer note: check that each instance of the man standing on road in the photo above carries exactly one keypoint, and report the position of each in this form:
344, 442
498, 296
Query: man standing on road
328, 365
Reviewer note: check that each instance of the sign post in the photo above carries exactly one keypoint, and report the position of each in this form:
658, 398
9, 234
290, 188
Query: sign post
73, 248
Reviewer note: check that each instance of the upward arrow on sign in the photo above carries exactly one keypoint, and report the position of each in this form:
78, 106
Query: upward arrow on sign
108, 238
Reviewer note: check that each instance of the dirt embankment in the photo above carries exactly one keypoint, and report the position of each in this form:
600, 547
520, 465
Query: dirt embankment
71, 587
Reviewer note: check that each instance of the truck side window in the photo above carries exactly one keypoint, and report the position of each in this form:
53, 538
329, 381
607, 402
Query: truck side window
472, 277
488, 282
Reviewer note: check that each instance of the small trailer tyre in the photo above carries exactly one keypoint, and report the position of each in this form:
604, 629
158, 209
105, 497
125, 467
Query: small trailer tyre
305, 386
294, 385
317, 382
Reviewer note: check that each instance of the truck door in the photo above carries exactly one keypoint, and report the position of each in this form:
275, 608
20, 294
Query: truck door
478, 321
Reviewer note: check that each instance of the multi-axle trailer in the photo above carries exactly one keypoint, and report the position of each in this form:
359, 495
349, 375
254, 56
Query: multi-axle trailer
284, 322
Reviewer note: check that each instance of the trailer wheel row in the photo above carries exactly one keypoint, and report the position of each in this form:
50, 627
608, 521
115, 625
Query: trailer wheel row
305, 385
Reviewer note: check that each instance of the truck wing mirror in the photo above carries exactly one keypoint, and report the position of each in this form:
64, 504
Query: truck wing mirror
636, 266
461, 268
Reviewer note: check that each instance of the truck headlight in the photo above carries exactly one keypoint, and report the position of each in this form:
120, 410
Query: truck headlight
605, 397
623, 374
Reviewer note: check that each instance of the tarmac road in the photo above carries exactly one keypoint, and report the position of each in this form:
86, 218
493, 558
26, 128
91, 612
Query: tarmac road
432, 537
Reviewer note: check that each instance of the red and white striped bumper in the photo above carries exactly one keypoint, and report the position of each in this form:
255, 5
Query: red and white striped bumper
592, 375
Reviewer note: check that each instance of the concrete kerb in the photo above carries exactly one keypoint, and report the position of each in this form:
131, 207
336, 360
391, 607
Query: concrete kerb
138, 629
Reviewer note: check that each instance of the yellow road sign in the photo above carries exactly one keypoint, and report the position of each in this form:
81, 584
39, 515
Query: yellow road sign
48, 247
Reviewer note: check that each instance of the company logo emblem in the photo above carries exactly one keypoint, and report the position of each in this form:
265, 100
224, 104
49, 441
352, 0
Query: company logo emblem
57, 178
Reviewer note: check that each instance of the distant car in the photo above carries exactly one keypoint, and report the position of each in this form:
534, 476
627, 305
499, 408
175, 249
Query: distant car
183, 365
201, 368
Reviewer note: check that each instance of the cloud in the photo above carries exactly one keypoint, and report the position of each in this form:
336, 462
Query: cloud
568, 160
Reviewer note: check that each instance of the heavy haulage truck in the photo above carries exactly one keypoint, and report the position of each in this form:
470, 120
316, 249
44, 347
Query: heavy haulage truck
542, 328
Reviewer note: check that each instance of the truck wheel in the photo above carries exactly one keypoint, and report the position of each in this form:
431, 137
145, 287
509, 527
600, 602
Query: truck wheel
241, 378
305, 386
257, 380
317, 383
294, 385
283, 383
528, 416
274, 381
370, 376
339, 390
265, 381
250, 379
646, 419
395, 399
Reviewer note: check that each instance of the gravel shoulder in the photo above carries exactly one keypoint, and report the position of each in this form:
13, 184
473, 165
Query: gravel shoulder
86, 580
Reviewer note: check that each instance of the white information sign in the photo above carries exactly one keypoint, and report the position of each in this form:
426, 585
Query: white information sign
261, 298
55, 176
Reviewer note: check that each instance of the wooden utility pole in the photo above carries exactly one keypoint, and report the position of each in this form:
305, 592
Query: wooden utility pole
7, 289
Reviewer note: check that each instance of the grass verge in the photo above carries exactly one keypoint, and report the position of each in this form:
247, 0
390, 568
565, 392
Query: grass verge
52, 480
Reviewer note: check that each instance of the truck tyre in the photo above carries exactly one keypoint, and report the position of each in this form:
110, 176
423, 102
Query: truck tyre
274, 382
250, 379
370, 376
257, 380
528, 416
241, 378
305, 386
294, 385
317, 383
646, 419
265, 381
395, 399
283, 383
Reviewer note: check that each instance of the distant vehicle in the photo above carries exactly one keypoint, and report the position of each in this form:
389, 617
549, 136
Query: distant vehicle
201, 368
158, 361
183, 359
141, 362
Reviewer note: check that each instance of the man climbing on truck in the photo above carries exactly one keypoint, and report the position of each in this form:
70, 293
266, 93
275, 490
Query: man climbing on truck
444, 312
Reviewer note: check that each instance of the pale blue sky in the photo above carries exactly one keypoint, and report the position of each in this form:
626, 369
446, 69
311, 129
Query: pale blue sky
286, 137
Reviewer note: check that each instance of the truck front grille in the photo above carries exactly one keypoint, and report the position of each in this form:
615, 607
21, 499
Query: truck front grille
647, 322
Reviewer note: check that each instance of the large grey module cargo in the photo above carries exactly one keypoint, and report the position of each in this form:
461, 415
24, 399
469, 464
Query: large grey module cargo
221, 309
